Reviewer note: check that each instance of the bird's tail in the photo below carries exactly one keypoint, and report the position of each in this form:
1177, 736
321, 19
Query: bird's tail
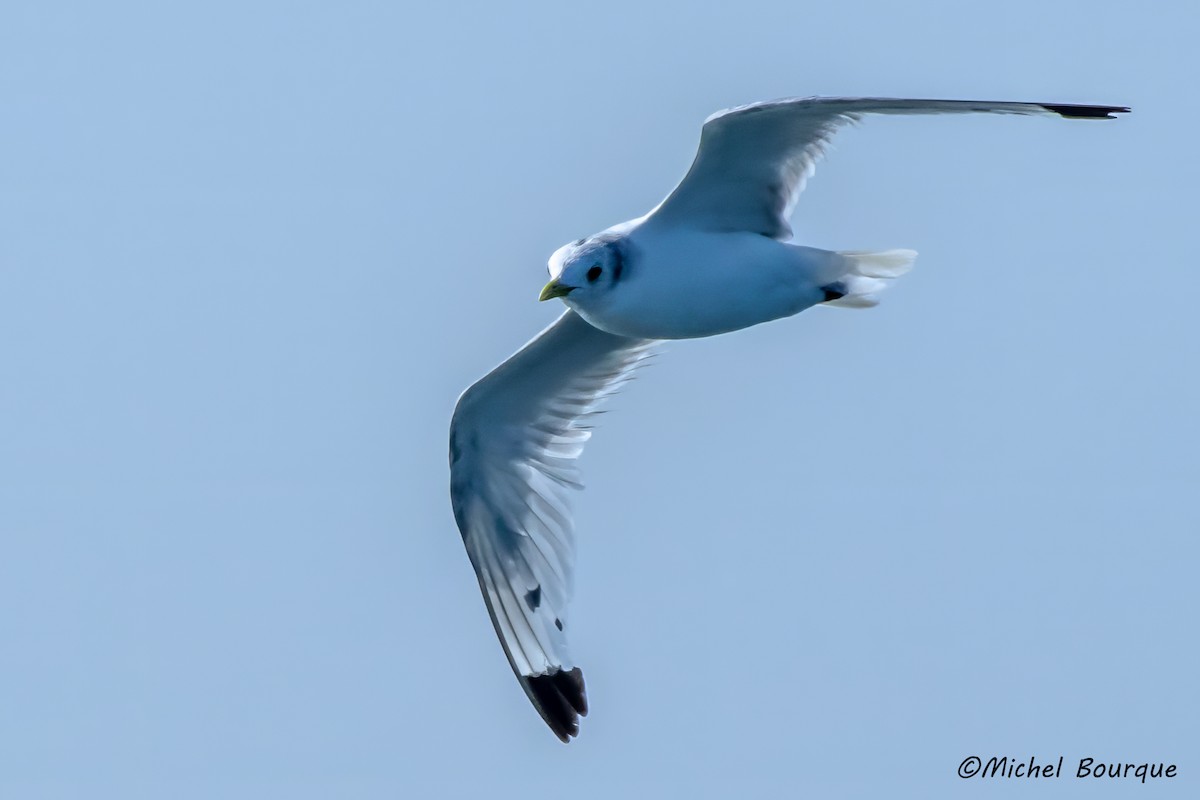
865, 274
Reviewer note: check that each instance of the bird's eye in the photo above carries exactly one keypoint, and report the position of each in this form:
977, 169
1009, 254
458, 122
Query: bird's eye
594, 273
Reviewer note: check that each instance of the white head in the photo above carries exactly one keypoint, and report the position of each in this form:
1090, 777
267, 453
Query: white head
586, 273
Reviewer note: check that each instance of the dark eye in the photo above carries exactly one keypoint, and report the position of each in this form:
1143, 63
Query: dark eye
594, 273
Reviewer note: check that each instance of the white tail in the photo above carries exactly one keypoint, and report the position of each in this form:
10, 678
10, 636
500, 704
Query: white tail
867, 273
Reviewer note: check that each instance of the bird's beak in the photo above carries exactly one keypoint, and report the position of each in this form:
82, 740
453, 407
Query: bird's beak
555, 289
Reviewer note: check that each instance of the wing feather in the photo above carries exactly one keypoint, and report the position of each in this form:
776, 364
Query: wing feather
514, 439
754, 160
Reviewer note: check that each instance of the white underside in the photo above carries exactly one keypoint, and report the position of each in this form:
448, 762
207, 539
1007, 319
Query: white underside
685, 283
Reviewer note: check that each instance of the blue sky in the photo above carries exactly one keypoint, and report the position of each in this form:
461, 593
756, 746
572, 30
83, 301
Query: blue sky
251, 253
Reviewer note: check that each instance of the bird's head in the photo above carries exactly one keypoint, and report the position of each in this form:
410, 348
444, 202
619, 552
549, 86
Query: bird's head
585, 273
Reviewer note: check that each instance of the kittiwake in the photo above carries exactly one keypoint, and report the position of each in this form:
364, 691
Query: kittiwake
715, 256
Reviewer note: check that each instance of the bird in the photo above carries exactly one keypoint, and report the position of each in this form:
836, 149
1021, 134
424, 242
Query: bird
715, 256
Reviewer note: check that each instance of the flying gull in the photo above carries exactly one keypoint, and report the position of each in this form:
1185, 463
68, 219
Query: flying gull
715, 256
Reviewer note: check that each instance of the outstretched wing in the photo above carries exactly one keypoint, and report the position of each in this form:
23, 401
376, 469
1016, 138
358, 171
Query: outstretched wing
754, 160
514, 439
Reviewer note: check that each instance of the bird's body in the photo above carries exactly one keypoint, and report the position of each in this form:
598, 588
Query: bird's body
715, 256
757, 279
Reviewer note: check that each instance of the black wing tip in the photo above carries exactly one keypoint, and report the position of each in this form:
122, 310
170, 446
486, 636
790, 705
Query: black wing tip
1073, 111
560, 698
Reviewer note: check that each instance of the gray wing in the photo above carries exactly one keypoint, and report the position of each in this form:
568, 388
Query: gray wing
753, 161
514, 439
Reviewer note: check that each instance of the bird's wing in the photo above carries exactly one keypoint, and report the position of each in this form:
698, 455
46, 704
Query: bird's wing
753, 161
514, 439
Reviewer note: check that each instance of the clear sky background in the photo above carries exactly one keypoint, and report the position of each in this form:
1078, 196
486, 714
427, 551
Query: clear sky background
250, 253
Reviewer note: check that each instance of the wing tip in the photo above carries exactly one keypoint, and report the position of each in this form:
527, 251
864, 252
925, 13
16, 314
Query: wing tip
1076, 111
561, 699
